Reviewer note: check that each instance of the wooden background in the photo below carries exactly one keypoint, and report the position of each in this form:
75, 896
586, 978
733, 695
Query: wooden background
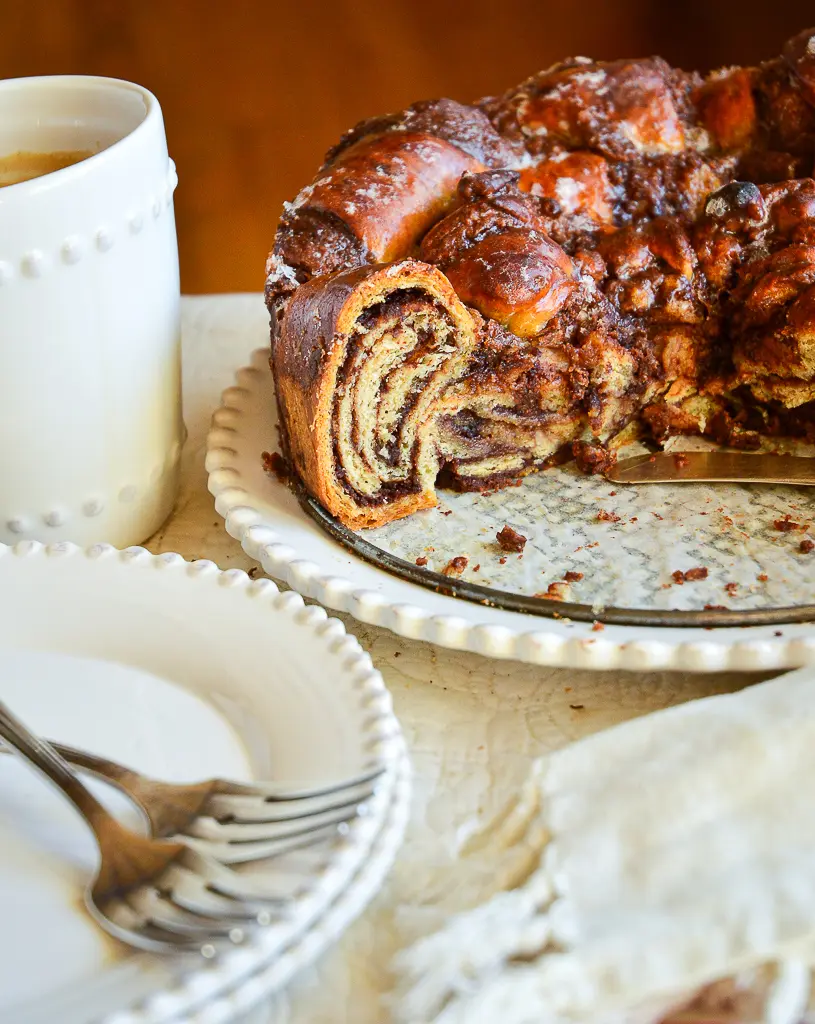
255, 91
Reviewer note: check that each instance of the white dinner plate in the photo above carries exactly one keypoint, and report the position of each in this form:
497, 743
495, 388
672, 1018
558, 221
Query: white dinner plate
267, 519
184, 672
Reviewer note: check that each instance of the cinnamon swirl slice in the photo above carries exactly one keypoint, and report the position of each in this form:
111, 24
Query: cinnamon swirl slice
361, 363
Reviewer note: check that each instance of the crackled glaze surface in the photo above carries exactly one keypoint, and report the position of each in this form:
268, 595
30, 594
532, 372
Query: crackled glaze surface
472, 723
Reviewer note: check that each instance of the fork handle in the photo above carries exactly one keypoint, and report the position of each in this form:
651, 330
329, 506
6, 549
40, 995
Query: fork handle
56, 769
109, 771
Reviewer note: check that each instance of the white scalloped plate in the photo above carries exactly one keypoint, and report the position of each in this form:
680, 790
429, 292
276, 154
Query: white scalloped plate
184, 672
266, 518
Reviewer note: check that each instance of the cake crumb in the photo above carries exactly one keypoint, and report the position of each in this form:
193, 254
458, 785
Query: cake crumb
731, 588
555, 591
716, 608
593, 458
476, 567
510, 540
607, 517
421, 560
680, 460
689, 575
597, 627
502, 561
456, 566
806, 546
573, 577
786, 525
277, 466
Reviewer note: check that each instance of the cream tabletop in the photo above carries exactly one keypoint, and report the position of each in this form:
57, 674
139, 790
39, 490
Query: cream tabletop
472, 724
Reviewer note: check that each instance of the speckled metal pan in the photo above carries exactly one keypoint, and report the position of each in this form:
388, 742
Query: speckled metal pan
545, 607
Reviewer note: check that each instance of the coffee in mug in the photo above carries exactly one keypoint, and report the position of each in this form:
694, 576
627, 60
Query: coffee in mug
24, 165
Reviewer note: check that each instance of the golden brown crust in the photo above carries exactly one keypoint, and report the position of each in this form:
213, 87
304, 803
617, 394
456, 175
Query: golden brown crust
384, 191
518, 277
619, 109
384, 184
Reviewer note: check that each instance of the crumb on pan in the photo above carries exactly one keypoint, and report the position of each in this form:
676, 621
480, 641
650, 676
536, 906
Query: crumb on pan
275, 464
689, 575
510, 540
456, 566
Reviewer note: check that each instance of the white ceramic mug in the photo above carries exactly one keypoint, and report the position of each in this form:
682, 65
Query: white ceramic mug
90, 382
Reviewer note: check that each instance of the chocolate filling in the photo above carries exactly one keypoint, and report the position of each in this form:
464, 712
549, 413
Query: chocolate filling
398, 306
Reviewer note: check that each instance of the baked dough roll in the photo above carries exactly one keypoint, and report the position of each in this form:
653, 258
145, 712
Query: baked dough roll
496, 252
385, 184
361, 362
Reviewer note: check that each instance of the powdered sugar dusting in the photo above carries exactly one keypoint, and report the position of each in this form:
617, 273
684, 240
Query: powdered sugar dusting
589, 78
568, 192
279, 272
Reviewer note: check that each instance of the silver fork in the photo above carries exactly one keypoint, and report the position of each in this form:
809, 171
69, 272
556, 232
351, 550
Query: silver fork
155, 894
237, 822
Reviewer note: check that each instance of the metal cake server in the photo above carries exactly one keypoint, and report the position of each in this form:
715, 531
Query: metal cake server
714, 467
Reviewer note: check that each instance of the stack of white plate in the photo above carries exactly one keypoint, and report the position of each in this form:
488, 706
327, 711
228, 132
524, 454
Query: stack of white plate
183, 672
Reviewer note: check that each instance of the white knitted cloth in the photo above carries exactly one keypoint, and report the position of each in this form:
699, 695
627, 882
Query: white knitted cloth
649, 861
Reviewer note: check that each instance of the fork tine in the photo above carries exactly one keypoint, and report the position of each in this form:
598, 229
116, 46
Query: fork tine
245, 832
274, 791
191, 892
161, 911
222, 880
241, 853
122, 921
260, 809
